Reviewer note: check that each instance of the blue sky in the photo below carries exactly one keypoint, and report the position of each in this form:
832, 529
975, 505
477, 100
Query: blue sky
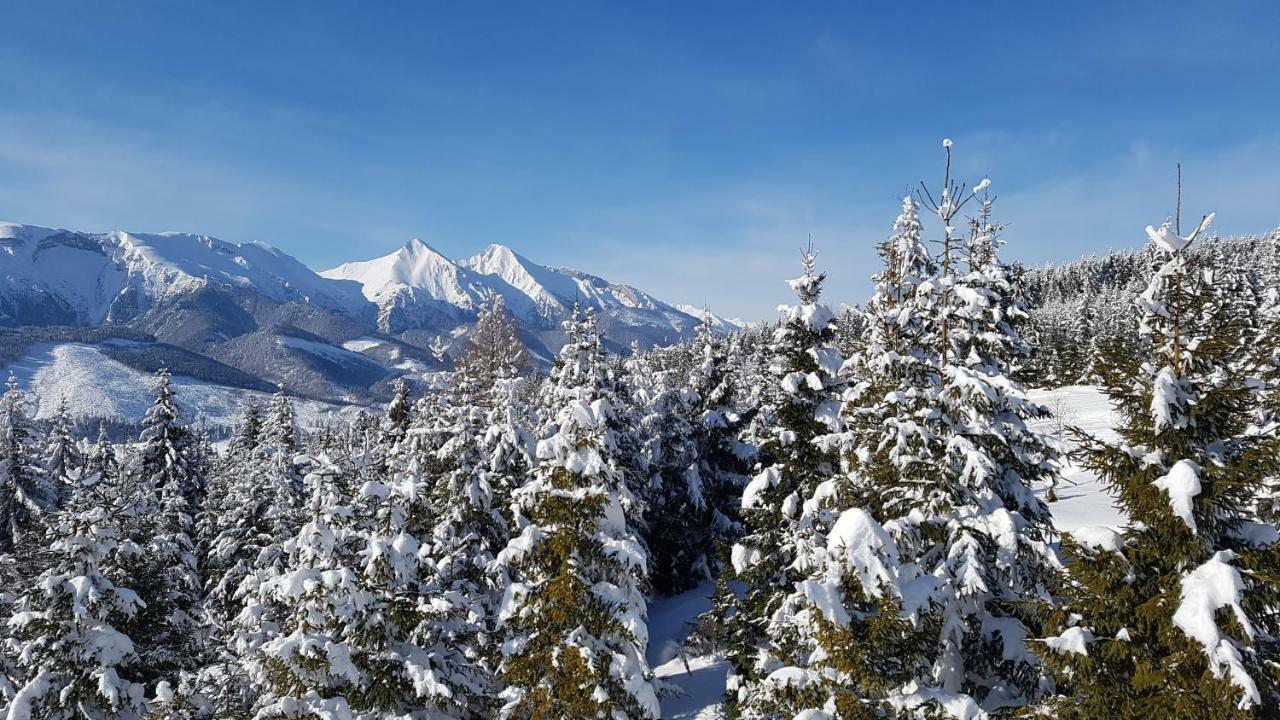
685, 148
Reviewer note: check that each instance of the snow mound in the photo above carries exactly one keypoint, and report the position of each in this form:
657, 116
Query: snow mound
1097, 537
1182, 483
1214, 585
1072, 640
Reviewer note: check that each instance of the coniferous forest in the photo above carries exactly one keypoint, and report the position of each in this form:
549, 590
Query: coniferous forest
864, 489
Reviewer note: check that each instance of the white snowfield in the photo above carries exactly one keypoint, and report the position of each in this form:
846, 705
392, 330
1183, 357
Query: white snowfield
97, 386
697, 682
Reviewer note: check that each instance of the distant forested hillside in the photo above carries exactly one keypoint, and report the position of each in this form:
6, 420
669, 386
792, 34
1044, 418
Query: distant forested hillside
1079, 307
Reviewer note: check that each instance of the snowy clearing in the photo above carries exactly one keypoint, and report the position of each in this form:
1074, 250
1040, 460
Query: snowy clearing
1082, 500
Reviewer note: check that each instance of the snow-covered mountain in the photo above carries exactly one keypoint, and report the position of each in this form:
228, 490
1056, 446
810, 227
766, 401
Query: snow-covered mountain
417, 288
721, 324
254, 316
413, 275
50, 276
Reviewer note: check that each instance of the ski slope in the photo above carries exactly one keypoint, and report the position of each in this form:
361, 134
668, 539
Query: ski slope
695, 684
94, 385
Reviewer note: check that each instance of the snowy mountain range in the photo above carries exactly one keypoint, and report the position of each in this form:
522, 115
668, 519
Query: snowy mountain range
251, 316
418, 288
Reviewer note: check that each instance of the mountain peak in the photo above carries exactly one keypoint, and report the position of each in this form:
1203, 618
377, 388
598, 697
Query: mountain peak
498, 260
416, 247
497, 249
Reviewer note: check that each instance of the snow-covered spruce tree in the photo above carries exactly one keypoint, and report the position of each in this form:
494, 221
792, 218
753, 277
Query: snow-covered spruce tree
278, 446
573, 615
392, 429
482, 454
72, 657
101, 464
895, 351
507, 455
964, 509
776, 549
25, 491
723, 460
350, 609
676, 525
507, 445
940, 439
304, 668
754, 376
846, 639
1265, 363
248, 432
1174, 617
167, 492
254, 508
494, 350
61, 456
627, 387
165, 456
464, 531
414, 638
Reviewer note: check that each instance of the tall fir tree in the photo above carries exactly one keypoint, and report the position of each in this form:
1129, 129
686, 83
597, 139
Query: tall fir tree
25, 491
574, 614
304, 667
852, 622
776, 550
167, 491
422, 640
61, 457
247, 435
698, 464
277, 450
101, 463
722, 459
254, 508
955, 465
494, 350
1174, 616
943, 457
395, 424
74, 659
675, 531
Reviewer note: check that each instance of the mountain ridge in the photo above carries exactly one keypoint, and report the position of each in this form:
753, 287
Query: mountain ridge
260, 311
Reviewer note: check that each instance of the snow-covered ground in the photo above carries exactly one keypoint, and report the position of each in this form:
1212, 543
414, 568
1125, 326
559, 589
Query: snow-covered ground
1082, 500
695, 683
97, 386
698, 682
